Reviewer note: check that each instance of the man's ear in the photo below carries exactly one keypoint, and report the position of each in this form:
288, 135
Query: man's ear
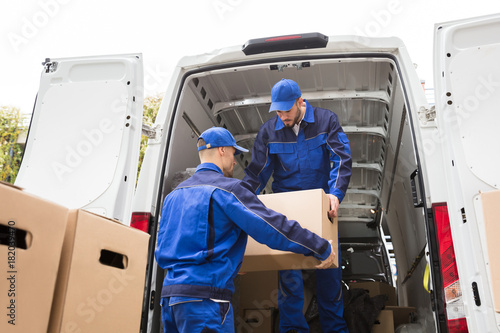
221, 150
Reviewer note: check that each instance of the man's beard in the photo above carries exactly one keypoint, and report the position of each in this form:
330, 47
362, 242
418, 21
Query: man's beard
296, 120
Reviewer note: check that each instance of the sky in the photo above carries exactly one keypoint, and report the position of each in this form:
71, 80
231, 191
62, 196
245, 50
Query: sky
165, 31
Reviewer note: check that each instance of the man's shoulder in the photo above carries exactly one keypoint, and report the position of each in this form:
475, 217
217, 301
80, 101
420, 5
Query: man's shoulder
211, 179
324, 113
324, 119
269, 124
267, 131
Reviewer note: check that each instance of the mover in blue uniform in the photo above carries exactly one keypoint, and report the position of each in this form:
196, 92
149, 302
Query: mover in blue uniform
304, 148
202, 237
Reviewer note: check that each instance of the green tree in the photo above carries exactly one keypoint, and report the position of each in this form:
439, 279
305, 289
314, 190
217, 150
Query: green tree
11, 152
150, 110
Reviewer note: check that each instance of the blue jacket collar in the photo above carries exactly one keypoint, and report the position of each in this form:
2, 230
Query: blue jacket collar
208, 166
308, 117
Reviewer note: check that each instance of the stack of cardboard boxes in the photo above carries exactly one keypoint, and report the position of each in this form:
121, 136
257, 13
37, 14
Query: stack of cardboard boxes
258, 299
258, 302
392, 315
67, 270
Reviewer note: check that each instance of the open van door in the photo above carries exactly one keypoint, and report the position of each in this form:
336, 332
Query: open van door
467, 82
83, 143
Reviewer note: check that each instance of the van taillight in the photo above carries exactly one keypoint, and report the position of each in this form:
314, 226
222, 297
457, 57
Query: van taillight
455, 311
140, 221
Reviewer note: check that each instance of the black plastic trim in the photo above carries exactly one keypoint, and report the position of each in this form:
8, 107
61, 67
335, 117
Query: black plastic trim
285, 43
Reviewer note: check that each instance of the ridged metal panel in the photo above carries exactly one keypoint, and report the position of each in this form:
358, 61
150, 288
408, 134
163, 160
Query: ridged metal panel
358, 91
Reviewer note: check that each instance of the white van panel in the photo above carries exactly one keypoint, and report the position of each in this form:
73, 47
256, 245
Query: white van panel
85, 134
467, 78
477, 98
468, 94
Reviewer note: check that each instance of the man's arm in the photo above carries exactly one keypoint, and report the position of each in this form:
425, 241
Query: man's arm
258, 172
340, 156
268, 226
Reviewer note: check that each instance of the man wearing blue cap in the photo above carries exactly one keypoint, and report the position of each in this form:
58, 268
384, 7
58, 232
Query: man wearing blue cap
202, 238
303, 147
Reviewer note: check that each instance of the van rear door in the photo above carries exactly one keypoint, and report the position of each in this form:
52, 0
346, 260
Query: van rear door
83, 144
467, 82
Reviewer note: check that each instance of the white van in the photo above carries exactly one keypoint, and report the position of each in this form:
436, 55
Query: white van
418, 171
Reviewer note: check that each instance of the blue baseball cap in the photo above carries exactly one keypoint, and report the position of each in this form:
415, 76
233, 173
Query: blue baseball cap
283, 95
219, 137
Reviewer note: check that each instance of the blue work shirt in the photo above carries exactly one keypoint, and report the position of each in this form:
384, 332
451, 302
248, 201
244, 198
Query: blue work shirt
319, 156
203, 234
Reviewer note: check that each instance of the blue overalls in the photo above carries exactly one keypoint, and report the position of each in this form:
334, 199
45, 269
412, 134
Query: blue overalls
318, 156
201, 242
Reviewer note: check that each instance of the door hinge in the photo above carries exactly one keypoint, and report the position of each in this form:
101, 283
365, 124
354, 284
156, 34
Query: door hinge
50, 66
425, 115
417, 203
151, 132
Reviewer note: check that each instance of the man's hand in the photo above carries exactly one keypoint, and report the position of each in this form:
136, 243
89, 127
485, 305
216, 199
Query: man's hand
334, 206
328, 262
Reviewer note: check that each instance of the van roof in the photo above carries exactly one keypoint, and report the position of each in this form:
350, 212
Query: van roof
336, 44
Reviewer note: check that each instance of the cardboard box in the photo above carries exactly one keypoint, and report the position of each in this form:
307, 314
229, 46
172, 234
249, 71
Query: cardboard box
378, 288
68, 270
310, 209
384, 323
490, 202
257, 321
100, 285
258, 290
402, 314
29, 267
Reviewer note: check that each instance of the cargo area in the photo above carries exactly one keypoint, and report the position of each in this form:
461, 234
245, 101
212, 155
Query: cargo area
368, 95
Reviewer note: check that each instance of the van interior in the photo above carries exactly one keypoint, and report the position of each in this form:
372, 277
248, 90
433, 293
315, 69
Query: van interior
382, 230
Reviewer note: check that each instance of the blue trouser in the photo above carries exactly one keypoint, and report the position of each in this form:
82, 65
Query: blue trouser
329, 296
196, 315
